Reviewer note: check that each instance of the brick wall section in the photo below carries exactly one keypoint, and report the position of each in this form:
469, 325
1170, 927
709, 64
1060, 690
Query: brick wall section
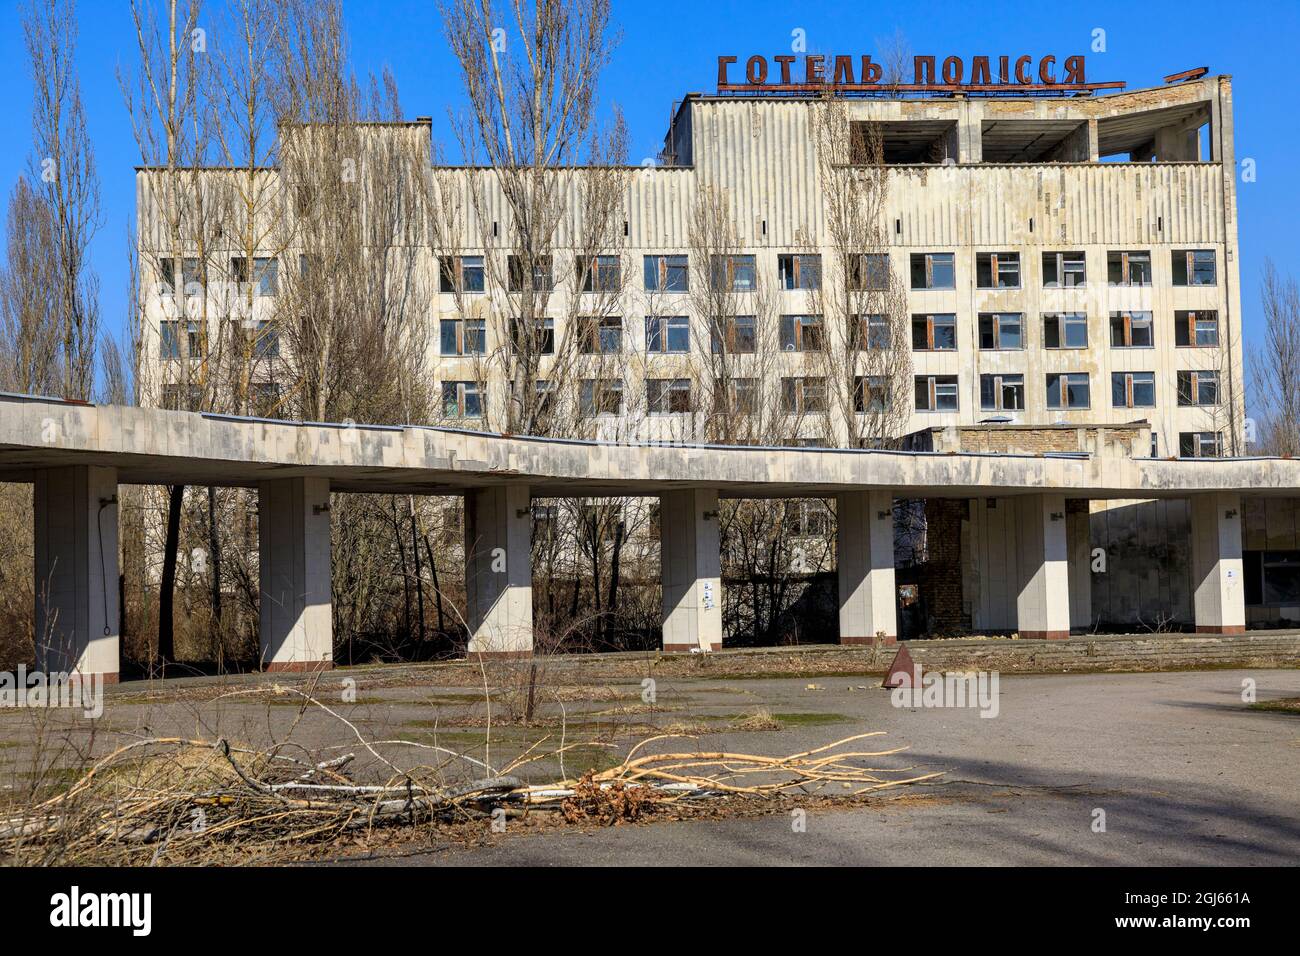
941, 587
1132, 440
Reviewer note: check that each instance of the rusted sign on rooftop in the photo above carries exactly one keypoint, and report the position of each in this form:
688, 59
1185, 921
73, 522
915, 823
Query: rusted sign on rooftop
819, 73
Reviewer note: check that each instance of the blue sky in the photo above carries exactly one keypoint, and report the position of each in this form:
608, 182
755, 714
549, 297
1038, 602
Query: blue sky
670, 47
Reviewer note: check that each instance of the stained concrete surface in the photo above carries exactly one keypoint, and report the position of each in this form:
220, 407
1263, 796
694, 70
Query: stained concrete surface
1185, 773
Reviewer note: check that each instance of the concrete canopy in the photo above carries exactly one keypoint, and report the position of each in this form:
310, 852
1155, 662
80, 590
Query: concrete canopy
150, 446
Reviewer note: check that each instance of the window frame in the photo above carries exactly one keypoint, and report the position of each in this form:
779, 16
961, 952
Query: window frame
1064, 387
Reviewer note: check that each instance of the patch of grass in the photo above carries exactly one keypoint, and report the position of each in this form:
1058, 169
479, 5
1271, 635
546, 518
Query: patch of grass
760, 719
1283, 705
796, 675
810, 719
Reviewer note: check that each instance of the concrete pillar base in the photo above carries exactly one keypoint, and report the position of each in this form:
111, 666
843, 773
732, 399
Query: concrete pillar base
298, 667
295, 615
474, 655
499, 571
864, 546
867, 641
690, 563
1043, 601
1219, 601
75, 538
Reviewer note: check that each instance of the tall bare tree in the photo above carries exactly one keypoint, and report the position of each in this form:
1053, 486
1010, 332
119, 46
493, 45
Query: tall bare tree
1275, 365
62, 172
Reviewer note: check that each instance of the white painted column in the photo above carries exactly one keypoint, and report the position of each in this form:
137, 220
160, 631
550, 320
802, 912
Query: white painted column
690, 562
499, 571
864, 544
1219, 601
76, 570
296, 618
1043, 601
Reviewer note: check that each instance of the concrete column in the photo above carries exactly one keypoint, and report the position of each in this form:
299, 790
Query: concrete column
76, 571
864, 544
1220, 600
1078, 529
691, 570
1043, 601
499, 571
293, 530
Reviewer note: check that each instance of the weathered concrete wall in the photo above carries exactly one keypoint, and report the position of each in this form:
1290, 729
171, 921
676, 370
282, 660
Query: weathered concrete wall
1147, 579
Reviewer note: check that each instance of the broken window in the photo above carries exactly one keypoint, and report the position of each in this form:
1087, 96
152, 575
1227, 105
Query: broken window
1001, 330
535, 336
934, 333
1271, 578
869, 271
871, 331
1131, 330
1199, 329
169, 339
667, 274
264, 336
1200, 445
1128, 268
600, 396
461, 400
539, 268
737, 334
668, 396
933, 270
1198, 388
599, 273
1194, 267
733, 274
1002, 393
799, 271
462, 336
1133, 389
936, 393
601, 335
871, 394
667, 334
737, 396
801, 395
801, 333
1064, 270
1065, 330
807, 517
997, 270
1068, 390
461, 274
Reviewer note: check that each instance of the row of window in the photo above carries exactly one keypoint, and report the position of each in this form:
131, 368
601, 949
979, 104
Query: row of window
1066, 391
998, 331
261, 337
871, 394
739, 273
1005, 331
927, 270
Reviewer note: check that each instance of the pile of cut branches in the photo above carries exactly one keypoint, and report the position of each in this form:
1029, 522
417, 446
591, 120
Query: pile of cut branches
177, 799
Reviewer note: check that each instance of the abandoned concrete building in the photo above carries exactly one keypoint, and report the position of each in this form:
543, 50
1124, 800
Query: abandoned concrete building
1068, 288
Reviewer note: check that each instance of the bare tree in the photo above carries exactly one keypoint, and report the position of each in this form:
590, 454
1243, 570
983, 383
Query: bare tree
859, 296
1275, 365
62, 172
31, 336
531, 72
